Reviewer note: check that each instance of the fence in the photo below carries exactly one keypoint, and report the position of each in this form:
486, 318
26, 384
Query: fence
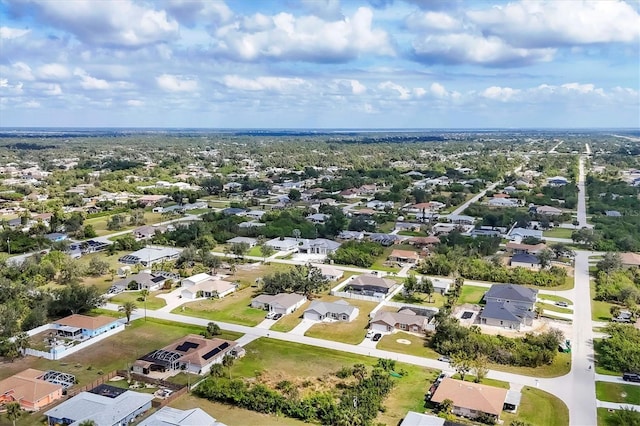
100, 380
357, 296
54, 355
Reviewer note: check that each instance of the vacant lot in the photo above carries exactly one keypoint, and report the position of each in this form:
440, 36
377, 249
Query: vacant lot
347, 332
234, 308
152, 303
436, 300
390, 343
100, 223
560, 366
116, 352
558, 233
618, 392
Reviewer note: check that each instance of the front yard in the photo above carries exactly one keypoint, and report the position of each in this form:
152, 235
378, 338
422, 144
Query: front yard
416, 346
234, 308
558, 233
153, 301
347, 332
471, 294
289, 322
538, 407
618, 392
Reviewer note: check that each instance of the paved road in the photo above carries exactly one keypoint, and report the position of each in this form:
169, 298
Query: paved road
582, 199
614, 379
463, 207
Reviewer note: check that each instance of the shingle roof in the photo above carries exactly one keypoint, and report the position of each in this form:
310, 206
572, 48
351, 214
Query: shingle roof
525, 258
338, 307
27, 386
404, 317
167, 416
474, 396
514, 292
86, 322
505, 311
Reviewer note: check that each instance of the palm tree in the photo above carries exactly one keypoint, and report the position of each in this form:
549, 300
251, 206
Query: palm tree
14, 411
144, 293
128, 308
227, 362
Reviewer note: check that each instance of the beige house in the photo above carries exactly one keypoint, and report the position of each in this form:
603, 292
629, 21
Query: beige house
29, 390
471, 399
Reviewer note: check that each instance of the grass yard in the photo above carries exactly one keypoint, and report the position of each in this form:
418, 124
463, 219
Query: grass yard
554, 308
437, 300
539, 408
554, 298
347, 332
230, 415
618, 392
248, 274
389, 342
386, 227
289, 322
234, 308
471, 294
153, 302
558, 233
489, 382
116, 352
560, 366
285, 359
255, 251
100, 223
600, 310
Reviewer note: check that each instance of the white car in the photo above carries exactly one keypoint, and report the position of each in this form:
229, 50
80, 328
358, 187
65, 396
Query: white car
369, 334
270, 315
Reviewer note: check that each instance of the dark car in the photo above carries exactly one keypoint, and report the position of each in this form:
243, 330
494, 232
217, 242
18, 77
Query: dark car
631, 377
376, 337
277, 316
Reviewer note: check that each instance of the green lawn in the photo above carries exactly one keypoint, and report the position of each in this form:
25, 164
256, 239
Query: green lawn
560, 366
600, 310
153, 302
489, 382
289, 322
389, 342
554, 308
234, 308
437, 300
606, 417
618, 392
347, 332
554, 298
100, 223
539, 408
255, 251
558, 233
471, 294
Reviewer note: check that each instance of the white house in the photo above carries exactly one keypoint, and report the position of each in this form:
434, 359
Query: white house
330, 273
284, 244
209, 288
281, 303
337, 311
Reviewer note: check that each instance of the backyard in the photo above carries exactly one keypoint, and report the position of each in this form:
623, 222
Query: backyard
100, 223
471, 294
347, 332
437, 300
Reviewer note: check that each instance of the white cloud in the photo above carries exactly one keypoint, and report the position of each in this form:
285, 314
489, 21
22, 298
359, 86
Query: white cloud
438, 90
467, 48
52, 89
502, 94
174, 83
90, 83
7, 33
555, 23
135, 103
120, 23
350, 85
403, 92
325, 9
189, 12
307, 38
276, 84
53, 71
432, 21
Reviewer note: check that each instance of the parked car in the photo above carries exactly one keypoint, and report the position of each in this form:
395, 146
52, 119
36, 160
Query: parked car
271, 315
376, 337
369, 334
562, 304
631, 377
444, 359
277, 316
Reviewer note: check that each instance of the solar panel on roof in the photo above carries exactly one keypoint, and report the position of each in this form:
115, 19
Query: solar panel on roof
211, 353
224, 346
185, 346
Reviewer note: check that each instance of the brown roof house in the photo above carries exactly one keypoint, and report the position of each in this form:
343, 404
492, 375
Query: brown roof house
192, 353
404, 256
630, 260
403, 320
29, 390
370, 285
471, 399
80, 327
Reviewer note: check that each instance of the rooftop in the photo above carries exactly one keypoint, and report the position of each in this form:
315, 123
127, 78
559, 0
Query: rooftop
86, 322
474, 396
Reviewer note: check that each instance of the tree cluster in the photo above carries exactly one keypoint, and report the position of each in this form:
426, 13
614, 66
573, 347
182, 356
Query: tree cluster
358, 253
300, 279
621, 350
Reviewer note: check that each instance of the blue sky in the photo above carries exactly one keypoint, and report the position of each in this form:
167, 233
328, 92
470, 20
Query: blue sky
320, 63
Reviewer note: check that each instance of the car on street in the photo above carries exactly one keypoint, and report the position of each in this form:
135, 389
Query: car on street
631, 377
376, 337
444, 359
562, 304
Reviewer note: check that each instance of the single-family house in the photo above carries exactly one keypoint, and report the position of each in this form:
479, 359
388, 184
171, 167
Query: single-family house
384, 239
339, 310
147, 231
28, 389
548, 211
193, 353
281, 303
150, 255
404, 320
251, 242
404, 256
520, 233
423, 242
525, 260
205, 285
351, 235
419, 419
630, 260
318, 218
370, 285
318, 246
284, 244
520, 248
168, 416
145, 280
330, 273
255, 214
505, 314
514, 294
78, 326
503, 202
461, 219
557, 181
471, 399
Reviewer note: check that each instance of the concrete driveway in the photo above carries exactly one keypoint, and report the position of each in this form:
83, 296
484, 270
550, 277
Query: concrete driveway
302, 328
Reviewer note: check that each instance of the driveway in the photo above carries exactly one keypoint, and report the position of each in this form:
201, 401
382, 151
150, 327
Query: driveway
302, 328
266, 323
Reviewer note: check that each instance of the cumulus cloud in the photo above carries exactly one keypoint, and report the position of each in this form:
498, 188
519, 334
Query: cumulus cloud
90, 83
285, 37
432, 21
122, 23
325, 9
536, 24
7, 33
175, 83
275, 84
189, 12
502, 94
462, 48
53, 71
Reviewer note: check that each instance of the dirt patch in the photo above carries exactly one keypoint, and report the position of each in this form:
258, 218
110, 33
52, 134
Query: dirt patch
304, 385
403, 341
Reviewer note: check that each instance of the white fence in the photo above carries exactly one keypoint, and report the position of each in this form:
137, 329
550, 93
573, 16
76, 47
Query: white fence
408, 305
357, 296
54, 355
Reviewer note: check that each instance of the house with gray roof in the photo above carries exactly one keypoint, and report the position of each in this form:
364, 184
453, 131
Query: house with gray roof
251, 242
145, 280
520, 233
517, 295
318, 246
281, 303
403, 320
168, 416
338, 311
505, 314
370, 285
109, 406
525, 260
